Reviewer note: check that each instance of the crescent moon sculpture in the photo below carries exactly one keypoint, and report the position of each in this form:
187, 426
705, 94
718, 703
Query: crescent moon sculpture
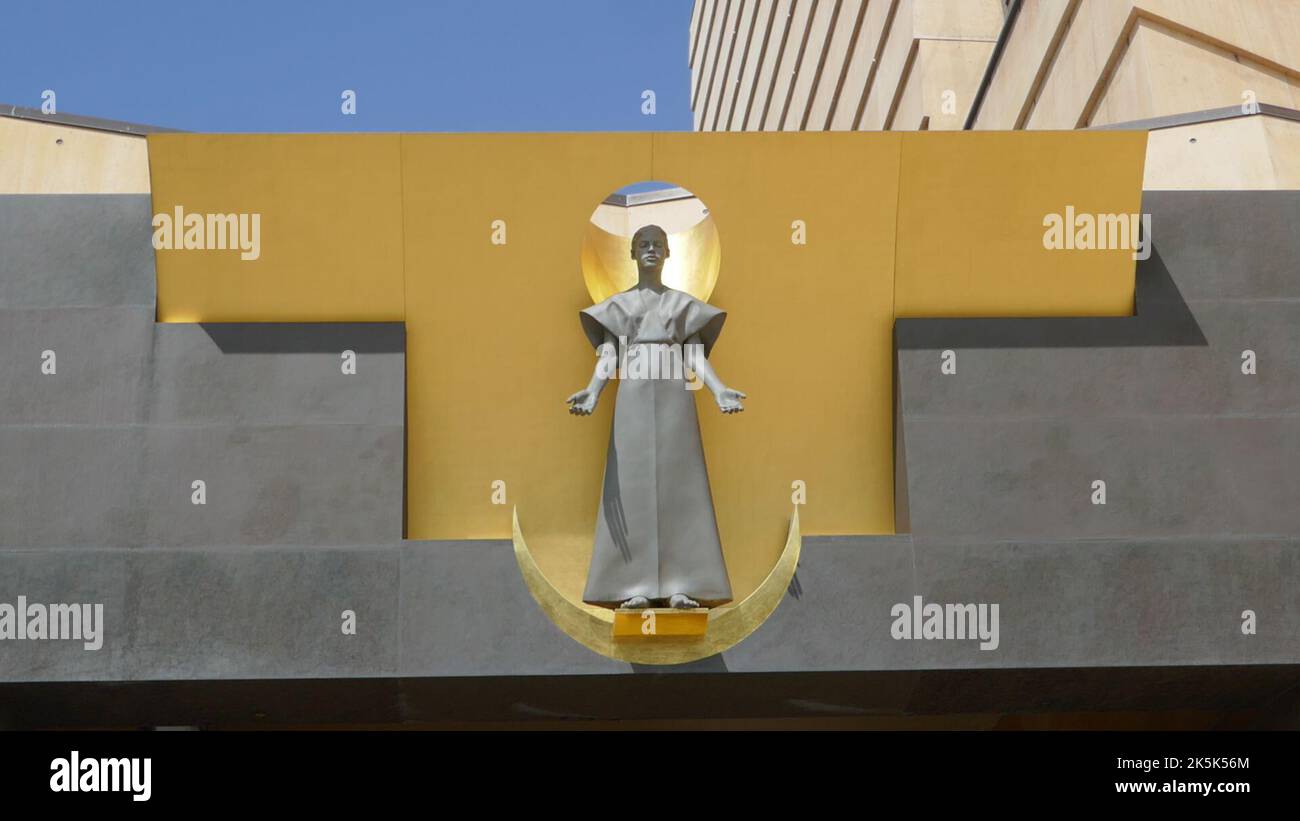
593, 626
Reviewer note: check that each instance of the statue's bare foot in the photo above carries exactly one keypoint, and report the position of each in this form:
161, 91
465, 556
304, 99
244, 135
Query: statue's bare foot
635, 603
682, 602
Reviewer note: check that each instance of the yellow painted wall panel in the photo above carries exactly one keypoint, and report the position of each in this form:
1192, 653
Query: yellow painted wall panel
363, 227
494, 343
331, 226
970, 223
808, 335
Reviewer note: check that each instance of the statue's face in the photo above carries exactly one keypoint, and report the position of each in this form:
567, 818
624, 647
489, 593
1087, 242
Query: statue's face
650, 247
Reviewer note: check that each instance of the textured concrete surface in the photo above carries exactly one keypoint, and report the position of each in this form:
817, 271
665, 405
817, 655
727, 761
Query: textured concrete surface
1155, 405
288, 374
465, 611
308, 484
1123, 381
67, 251
71, 486
224, 612
132, 485
104, 452
461, 609
101, 359
1228, 244
1016, 477
1061, 604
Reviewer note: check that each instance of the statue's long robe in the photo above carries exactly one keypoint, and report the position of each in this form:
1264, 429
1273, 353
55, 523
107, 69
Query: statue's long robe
656, 531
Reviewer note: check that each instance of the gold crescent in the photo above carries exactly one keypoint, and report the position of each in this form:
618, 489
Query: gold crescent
593, 627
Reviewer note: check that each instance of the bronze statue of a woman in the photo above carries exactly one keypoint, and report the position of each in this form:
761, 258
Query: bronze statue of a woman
656, 532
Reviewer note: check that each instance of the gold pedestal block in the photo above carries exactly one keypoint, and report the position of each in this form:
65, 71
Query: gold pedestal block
660, 622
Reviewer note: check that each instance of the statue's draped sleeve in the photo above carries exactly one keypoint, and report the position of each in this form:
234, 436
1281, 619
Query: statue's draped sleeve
605, 316
701, 318
682, 315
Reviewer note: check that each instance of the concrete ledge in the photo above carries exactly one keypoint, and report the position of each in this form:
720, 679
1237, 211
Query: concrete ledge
465, 611
228, 612
976, 699
132, 485
998, 478
296, 484
71, 485
288, 373
1122, 381
460, 609
1228, 244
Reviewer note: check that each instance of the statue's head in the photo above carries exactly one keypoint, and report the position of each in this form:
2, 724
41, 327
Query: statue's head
650, 246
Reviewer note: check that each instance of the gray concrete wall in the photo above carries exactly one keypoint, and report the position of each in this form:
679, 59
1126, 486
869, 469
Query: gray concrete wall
67, 251
304, 473
104, 452
1156, 405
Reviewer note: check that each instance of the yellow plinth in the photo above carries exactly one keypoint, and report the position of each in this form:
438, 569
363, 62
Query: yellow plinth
659, 622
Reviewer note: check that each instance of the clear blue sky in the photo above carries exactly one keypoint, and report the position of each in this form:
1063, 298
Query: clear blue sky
420, 65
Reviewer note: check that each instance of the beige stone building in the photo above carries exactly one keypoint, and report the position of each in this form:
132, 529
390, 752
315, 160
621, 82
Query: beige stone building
1216, 83
69, 154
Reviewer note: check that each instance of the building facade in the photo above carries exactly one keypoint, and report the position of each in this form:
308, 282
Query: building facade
989, 476
1217, 85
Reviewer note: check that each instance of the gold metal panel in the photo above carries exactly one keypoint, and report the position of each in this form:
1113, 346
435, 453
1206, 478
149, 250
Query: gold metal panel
970, 222
390, 227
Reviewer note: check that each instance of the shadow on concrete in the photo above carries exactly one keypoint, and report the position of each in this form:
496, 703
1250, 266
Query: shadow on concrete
712, 664
1270, 693
1161, 318
307, 337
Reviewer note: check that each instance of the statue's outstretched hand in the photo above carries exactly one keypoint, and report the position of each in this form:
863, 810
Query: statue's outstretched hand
729, 400
583, 402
